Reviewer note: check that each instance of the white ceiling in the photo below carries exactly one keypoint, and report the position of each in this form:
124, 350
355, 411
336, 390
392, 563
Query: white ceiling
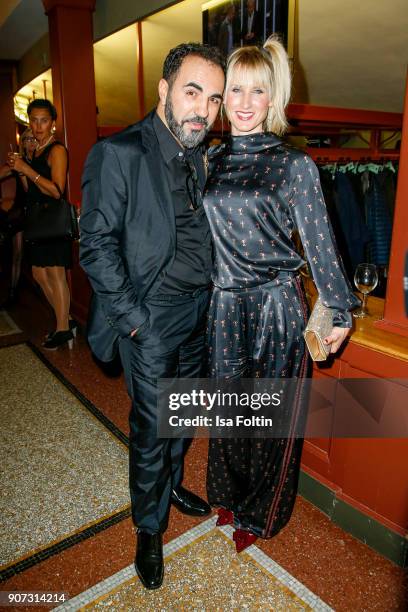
22, 23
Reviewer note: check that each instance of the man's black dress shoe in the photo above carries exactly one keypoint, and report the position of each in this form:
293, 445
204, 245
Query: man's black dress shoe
149, 559
189, 503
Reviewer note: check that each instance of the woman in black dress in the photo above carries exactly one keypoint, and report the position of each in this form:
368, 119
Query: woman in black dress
259, 193
46, 178
15, 218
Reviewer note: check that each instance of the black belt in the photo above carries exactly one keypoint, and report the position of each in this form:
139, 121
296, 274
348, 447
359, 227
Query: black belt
178, 297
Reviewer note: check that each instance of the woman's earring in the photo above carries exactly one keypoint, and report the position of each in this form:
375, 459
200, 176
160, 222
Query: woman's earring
53, 129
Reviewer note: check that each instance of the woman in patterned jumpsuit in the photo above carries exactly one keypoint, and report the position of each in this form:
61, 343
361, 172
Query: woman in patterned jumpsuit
259, 193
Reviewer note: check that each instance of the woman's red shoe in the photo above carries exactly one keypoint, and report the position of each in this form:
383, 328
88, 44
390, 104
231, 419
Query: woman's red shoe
243, 539
225, 517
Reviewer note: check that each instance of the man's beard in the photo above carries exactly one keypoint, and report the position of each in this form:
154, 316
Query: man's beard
192, 139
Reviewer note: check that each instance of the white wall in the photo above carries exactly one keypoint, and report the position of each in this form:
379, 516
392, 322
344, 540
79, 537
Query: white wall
354, 53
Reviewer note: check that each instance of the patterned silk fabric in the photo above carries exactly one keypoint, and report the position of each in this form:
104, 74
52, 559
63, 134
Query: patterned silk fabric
259, 192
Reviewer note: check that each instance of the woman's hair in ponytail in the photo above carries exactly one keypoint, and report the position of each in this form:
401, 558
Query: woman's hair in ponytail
267, 67
281, 85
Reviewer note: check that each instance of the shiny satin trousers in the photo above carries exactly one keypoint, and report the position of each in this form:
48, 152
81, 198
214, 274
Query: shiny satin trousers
171, 346
257, 333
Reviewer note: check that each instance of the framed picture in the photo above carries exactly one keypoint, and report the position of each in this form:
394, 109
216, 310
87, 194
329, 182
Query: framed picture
228, 24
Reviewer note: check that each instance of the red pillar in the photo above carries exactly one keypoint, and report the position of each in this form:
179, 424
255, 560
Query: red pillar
73, 85
7, 123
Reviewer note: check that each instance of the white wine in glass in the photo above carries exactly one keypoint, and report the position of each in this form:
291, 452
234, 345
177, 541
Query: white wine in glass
365, 279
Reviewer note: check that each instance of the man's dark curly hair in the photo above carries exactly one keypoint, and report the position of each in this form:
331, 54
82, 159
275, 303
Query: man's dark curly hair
176, 56
42, 103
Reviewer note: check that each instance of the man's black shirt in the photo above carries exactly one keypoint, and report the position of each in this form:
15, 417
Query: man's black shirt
192, 266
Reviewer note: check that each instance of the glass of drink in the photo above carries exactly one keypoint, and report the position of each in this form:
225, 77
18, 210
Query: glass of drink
365, 279
12, 155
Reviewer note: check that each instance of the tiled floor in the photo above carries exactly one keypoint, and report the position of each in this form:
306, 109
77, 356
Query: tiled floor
317, 557
195, 561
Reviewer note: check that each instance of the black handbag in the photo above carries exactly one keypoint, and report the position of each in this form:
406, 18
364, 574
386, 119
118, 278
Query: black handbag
51, 219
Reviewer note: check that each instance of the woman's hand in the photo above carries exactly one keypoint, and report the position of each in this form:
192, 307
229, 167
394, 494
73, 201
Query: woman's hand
336, 338
16, 163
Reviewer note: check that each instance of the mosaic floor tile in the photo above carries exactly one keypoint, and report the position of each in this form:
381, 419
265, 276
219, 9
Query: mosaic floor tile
7, 325
61, 470
203, 572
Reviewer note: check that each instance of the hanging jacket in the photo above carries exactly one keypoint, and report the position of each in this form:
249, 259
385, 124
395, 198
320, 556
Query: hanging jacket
379, 222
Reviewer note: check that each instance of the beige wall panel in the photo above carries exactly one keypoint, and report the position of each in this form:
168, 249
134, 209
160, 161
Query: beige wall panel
354, 53
163, 31
116, 78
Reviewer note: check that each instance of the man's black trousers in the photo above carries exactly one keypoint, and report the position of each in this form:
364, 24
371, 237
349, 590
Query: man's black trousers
171, 345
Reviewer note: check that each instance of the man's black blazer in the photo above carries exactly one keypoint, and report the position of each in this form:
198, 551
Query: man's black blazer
257, 28
128, 232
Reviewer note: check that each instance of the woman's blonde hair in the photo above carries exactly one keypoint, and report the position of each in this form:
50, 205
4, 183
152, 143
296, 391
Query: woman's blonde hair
269, 68
27, 132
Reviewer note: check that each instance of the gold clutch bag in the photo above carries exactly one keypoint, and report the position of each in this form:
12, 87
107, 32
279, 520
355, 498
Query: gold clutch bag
317, 329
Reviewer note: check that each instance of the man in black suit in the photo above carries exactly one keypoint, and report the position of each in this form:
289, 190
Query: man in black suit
252, 26
146, 248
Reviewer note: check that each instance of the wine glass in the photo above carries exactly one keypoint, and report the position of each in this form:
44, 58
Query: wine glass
365, 279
